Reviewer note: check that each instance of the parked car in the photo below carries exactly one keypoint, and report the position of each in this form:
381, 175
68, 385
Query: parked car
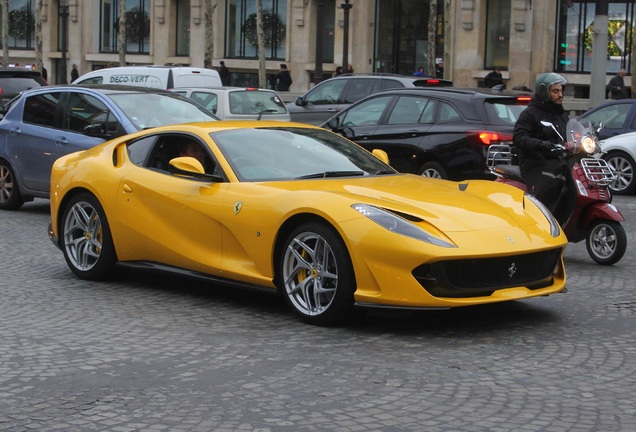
13, 80
239, 103
620, 153
335, 94
162, 77
293, 208
616, 117
46, 123
443, 133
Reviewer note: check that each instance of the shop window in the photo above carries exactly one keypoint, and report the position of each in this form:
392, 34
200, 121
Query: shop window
137, 26
497, 34
241, 40
21, 18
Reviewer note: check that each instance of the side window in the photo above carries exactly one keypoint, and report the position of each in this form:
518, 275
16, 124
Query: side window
139, 152
94, 80
408, 109
358, 89
88, 115
387, 84
40, 109
428, 116
447, 113
326, 94
209, 101
367, 113
612, 116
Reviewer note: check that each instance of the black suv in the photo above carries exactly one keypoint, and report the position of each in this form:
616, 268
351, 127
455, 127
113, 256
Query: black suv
443, 133
336, 94
13, 80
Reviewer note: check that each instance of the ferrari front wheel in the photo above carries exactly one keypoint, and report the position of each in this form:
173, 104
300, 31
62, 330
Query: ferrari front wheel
316, 275
86, 240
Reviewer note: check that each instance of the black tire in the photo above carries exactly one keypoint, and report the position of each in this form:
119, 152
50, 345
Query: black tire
314, 258
606, 241
86, 240
10, 197
624, 167
433, 170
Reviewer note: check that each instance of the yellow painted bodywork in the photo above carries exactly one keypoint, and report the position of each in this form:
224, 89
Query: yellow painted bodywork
230, 229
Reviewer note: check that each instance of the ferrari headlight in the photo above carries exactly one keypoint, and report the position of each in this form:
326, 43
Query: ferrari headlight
399, 225
555, 228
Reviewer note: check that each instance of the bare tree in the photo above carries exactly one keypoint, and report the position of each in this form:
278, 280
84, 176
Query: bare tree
121, 32
210, 6
432, 34
4, 5
260, 35
38, 35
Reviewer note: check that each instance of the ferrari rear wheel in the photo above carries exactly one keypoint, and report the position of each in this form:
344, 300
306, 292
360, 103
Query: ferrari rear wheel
606, 242
10, 198
86, 240
316, 275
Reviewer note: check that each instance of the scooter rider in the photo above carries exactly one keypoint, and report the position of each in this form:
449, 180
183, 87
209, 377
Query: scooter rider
540, 127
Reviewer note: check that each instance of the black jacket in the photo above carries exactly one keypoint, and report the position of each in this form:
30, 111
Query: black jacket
530, 133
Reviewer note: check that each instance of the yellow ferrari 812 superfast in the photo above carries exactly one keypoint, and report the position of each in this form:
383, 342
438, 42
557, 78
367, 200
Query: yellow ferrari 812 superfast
295, 209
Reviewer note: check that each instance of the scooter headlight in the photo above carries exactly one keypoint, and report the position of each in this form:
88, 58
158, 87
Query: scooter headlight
588, 144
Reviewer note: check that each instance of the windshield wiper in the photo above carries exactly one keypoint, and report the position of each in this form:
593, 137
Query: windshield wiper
382, 172
332, 174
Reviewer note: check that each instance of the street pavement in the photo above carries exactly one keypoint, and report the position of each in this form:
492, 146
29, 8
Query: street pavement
153, 353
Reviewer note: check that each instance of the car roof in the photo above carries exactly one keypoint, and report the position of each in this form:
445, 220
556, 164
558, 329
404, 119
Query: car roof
102, 88
458, 92
224, 88
403, 78
18, 72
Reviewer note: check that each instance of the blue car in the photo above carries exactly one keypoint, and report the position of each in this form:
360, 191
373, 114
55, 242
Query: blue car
42, 124
617, 117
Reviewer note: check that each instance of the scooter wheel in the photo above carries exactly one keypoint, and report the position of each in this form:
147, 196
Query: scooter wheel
606, 241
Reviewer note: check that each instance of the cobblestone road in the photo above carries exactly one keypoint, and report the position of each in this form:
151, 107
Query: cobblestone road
151, 353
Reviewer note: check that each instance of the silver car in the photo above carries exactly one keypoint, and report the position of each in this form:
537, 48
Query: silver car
239, 103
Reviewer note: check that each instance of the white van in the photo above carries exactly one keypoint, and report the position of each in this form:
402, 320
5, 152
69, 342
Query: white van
163, 77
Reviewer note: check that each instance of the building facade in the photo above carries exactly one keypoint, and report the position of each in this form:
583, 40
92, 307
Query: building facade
467, 38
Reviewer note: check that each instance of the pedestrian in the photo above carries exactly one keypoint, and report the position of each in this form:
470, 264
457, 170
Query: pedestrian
439, 69
224, 73
283, 78
45, 74
338, 70
616, 86
349, 69
419, 72
494, 78
74, 73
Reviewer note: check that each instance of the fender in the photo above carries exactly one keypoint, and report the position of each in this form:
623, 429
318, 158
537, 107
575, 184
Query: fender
599, 210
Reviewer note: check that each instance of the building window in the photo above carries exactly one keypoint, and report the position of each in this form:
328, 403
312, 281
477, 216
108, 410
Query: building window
241, 38
402, 36
21, 24
137, 26
183, 28
576, 35
497, 34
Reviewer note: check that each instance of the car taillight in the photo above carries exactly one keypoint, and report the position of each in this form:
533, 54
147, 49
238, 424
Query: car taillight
487, 137
432, 82
523, 100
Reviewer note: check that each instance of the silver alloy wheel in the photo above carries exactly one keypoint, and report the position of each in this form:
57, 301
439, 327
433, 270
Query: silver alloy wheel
432, 173
310, 273
83, 236
6, 184
624, 173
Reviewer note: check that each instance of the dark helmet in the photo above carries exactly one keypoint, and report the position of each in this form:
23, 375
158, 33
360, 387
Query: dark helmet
543, 83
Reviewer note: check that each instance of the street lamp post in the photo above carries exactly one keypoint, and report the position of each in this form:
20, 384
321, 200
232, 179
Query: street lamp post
346, 7
63, 13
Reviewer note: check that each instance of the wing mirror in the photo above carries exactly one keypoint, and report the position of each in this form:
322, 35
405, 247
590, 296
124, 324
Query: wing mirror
186, 165
334, 123
300, 101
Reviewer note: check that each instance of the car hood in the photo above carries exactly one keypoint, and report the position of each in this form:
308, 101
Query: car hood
450, 206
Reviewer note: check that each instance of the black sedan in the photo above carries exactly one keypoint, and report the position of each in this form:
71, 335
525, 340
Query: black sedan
442, 132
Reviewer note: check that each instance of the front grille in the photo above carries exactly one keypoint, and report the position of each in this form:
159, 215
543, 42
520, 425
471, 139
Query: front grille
482, 276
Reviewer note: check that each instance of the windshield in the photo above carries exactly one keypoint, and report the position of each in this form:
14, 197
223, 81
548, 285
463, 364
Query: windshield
263, 154
147, 110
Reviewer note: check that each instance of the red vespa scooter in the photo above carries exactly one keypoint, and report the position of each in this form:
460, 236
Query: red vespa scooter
588, 210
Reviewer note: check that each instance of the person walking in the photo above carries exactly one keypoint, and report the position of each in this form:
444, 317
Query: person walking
283, 79
74, 73
224, 73
616, 86
493, 78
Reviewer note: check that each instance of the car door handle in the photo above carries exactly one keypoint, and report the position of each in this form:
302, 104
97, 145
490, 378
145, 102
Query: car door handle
61, 141
15, 131
127, 188
331, 110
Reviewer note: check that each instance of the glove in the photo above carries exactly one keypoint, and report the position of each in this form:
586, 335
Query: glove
546, 147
